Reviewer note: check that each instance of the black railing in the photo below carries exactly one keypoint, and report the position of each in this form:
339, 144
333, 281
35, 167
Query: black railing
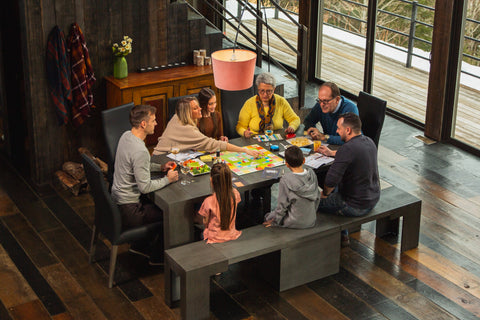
411, 36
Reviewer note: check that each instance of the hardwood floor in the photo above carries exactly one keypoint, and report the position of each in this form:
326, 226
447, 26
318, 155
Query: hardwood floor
45, 274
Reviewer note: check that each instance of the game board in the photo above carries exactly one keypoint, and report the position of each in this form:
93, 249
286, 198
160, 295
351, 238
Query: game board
242, 163
265, 138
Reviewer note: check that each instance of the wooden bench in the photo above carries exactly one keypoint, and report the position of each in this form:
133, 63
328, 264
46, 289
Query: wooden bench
292, 257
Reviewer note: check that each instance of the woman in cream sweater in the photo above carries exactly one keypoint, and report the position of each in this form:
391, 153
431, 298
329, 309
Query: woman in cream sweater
183, 132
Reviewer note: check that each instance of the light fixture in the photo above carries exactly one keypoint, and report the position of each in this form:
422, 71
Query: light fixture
233, 69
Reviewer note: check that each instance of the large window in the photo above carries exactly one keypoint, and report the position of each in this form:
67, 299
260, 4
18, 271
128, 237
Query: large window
341, 43
467, 116
402, 52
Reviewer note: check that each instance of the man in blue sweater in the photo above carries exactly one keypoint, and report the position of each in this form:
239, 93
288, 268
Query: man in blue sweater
330, 105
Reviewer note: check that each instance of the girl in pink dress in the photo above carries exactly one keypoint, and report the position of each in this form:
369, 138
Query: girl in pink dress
219, 210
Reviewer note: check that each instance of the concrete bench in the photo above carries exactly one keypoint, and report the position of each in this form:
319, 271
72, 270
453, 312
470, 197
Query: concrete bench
290, 257
393, 204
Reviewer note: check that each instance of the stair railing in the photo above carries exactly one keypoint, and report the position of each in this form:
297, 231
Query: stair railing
302, 41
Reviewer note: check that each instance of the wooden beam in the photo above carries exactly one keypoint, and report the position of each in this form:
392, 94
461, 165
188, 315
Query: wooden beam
437, 83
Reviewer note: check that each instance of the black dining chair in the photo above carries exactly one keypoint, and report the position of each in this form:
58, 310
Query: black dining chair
372, 113
115, 122
232, 103
108, 220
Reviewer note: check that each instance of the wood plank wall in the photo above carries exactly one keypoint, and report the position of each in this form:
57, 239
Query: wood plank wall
102, 22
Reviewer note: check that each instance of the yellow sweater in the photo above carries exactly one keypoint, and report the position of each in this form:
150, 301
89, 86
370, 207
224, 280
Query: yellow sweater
249, 117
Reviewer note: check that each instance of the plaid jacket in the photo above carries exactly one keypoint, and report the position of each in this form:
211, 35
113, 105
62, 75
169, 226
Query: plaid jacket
82, 76
58, 74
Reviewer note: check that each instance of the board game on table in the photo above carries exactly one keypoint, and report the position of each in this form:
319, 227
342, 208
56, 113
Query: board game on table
241, 163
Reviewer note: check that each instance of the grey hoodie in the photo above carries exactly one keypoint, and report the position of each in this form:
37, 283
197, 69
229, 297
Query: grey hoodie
298, 199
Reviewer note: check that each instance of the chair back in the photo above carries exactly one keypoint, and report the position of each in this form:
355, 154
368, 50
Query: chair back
232, 103
108, 220
372, 113
115, 122
173, 101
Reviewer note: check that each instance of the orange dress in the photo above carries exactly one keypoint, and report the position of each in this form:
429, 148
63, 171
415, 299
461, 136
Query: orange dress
213, 233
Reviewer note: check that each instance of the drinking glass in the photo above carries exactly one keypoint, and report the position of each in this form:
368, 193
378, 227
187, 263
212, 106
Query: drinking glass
174, 149
185, 170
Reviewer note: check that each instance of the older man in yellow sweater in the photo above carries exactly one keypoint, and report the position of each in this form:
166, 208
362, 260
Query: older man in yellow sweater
266, 109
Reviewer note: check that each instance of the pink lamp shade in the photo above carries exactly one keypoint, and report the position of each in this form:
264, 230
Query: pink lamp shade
233, 72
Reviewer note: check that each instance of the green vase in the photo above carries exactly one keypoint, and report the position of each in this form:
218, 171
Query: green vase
120, 68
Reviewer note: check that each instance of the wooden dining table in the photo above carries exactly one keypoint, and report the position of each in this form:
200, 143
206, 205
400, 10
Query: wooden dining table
178, 201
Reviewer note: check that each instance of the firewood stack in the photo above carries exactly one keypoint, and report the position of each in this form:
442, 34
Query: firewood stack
72, 176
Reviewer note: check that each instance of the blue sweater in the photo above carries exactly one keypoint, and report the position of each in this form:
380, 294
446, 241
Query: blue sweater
329, 120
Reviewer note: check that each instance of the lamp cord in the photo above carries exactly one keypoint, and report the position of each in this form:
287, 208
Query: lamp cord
238, 29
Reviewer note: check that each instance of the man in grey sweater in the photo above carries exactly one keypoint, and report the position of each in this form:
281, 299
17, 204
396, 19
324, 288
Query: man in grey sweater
298, 195
131, 179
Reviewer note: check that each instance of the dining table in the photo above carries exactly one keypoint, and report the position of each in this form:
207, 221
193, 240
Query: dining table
178, 202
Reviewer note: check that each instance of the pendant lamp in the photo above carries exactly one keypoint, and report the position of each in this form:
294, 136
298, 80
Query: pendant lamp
233, 69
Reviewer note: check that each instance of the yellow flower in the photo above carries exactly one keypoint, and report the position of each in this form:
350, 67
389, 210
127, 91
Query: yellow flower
124, 43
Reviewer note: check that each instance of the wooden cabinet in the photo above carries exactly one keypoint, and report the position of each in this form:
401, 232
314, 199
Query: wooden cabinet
154, 88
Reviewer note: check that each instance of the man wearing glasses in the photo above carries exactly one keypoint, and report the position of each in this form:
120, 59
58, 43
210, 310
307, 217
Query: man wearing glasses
330, 105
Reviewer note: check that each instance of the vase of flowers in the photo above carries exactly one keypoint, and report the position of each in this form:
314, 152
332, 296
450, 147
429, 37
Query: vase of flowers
120, 66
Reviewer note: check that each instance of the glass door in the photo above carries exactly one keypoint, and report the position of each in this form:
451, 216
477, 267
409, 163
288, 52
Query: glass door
341, 43
466, 127
402, 55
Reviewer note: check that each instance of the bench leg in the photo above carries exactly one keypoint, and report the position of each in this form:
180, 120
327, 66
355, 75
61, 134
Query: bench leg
385, 226
411, 227
172, 286
195, 292
303, 263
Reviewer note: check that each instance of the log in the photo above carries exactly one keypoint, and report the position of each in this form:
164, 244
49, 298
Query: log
103, 166
68, 182
75, 170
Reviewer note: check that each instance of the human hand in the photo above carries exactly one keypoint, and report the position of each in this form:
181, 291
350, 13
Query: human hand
325, 151
169, 165
253, 153
247, 133
289, 130
172, 176
314, 133
223, 138
268, 223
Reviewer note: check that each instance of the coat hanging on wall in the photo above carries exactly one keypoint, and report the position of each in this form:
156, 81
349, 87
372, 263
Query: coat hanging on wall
58, 74
82, 76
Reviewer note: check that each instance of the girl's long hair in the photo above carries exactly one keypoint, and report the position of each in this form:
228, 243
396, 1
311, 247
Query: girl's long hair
203, 97
222, 186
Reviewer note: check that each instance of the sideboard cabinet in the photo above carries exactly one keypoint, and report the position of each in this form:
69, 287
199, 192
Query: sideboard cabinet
154, 88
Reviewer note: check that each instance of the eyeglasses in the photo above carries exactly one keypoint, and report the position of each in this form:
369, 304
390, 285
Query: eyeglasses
268, 92
323, 101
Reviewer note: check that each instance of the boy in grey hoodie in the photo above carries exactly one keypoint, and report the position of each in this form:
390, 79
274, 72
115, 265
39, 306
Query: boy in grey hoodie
298, 195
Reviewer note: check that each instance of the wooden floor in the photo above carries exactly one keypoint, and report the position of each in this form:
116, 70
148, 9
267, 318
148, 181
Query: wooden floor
45, 274
404, 89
